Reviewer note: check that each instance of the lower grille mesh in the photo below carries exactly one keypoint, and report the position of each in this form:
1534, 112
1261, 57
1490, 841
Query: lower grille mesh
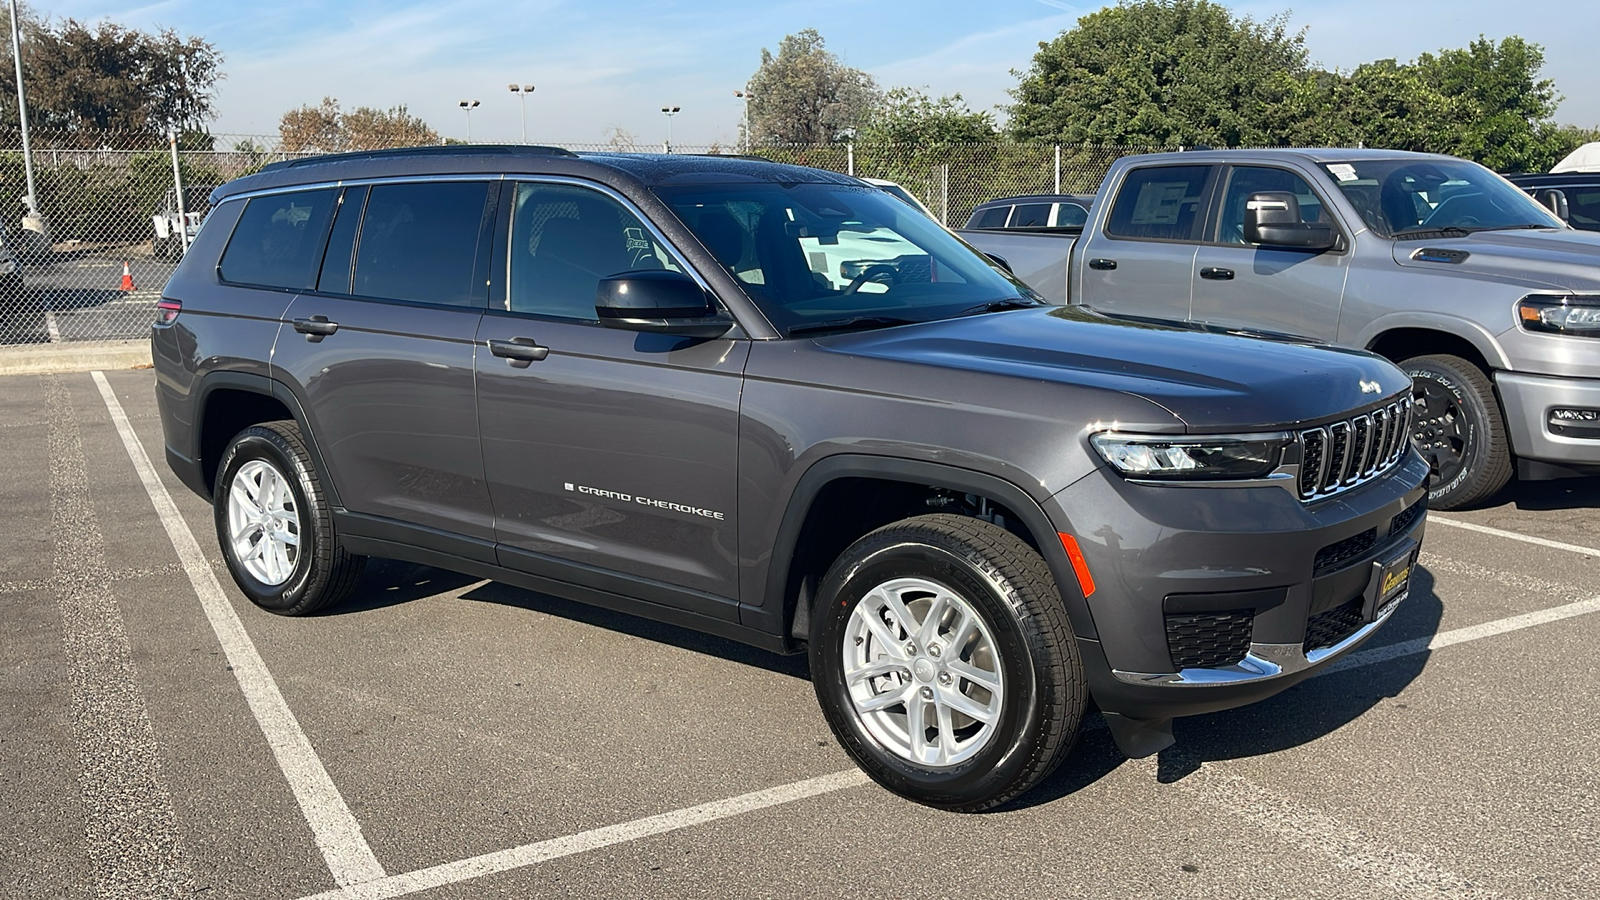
1209, 640
1329, 627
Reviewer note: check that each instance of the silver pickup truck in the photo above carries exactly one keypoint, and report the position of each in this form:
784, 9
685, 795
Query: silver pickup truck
1488, 300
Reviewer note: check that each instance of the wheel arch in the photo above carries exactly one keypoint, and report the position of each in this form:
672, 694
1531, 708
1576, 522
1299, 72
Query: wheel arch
806, 544
1400, 338
229, 402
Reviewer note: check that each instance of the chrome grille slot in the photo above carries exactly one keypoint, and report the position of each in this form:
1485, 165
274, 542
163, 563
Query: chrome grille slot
1343, 454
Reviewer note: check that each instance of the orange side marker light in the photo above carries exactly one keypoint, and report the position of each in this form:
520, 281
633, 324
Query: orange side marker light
1079, 566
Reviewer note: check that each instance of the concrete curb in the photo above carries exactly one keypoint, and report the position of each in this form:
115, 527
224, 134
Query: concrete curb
37, 359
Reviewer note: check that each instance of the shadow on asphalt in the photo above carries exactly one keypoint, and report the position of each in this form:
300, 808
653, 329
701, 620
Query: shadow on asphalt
1565, 493
1304, 713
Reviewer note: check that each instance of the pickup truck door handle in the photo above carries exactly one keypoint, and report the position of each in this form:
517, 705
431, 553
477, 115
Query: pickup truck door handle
519, 351
315, 328
1215, 274
1104, 265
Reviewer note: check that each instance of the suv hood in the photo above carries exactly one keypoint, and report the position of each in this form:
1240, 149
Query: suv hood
1550, 257
1211, 382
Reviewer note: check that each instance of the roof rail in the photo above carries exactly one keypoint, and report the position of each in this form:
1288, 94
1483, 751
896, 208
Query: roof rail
425, 151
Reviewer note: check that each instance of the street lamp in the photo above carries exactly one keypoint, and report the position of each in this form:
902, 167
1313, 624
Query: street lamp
469, 106
522, 92
746, 96
31, 221
669, 112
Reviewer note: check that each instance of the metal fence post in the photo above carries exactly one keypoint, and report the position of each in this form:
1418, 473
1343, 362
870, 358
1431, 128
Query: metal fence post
850, 159
944, 195
177, 182
1058, 168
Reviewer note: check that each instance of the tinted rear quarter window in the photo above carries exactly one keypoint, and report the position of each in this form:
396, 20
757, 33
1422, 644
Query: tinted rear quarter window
1160, 203
993, 217
278, 241
421, 242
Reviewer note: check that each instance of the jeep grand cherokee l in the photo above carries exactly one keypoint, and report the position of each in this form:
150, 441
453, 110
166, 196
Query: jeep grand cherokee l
638, 381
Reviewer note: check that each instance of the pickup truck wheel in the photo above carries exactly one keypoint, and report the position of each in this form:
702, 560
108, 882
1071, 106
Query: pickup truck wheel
1459, 430
944, 662
275, 526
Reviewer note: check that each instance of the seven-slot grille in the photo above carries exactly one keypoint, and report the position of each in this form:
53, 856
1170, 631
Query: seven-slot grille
1344, 454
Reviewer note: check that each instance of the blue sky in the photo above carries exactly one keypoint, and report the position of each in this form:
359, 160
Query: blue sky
598, 65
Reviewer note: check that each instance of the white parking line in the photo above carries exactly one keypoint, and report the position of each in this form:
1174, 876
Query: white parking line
610, 835
334, 828
1527, 539
1463, 635
50, 327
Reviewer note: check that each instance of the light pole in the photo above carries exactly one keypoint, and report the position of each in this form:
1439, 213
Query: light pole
669, 112
469, 106
746, 96
522, 92
32, 221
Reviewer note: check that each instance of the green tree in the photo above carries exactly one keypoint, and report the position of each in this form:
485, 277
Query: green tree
1160, 72
1503, 108
805, 95
910, 116
89, 79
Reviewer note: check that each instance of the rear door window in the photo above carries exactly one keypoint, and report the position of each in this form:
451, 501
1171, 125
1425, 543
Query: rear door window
1163, 203
278, 241
423, 242
1031, 215
993, 217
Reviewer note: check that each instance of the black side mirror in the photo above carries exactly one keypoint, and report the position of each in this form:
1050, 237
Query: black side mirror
1555, 201
658, 301
1000, 261
1272, 219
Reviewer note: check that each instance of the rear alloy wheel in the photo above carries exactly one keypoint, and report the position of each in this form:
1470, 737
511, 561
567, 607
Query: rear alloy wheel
275, 525
944, 662
1458, 429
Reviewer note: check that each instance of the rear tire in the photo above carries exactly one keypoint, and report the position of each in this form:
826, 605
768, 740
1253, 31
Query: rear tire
1458, 428
944, 662
275, 525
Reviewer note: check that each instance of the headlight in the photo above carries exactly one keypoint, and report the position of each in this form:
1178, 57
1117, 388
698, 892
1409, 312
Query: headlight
1200, 457
1573, 314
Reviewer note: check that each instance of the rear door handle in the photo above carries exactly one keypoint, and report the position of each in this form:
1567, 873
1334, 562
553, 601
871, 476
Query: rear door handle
315, 328
1215, 274
1104, 265
519, 351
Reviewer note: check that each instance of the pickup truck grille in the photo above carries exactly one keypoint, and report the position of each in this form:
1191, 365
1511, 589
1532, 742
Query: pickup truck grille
1341, 455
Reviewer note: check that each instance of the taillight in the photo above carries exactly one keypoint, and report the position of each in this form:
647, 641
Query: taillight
167, 311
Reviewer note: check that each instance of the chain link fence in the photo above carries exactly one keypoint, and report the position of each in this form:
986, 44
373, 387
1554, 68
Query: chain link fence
111, 231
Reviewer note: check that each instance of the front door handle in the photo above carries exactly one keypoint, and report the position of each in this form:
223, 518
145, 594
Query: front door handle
315, 328
519, 351
1215, 274
1104, 265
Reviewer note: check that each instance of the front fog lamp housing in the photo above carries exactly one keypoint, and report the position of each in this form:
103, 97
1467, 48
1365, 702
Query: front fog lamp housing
1192, 458
1571, 314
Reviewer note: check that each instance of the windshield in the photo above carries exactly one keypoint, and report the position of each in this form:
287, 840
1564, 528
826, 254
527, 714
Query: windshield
815, 255
1401, 198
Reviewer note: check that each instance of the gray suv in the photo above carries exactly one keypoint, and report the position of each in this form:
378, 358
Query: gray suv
779, 405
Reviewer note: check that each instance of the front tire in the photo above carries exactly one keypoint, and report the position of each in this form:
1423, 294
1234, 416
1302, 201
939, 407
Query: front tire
275, 526
1459, 430
944, 662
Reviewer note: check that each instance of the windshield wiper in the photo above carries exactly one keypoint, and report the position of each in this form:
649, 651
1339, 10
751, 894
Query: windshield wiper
1446, 231
851, 323
1003, 303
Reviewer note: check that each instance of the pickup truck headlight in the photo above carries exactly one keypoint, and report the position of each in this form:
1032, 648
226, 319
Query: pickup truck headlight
1572, 314
1192, 458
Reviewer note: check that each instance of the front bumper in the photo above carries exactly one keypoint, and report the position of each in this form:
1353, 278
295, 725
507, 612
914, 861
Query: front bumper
1211, 598
1531, 402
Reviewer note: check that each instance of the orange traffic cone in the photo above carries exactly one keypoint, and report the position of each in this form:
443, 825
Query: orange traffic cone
127, 277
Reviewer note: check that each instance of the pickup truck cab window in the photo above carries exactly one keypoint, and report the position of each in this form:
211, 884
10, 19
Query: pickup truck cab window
1403, 198
564, 239
838, 257
1246, 180
1164, 203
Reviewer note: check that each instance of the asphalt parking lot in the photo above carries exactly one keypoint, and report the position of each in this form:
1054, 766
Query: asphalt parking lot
78, 296
441, 737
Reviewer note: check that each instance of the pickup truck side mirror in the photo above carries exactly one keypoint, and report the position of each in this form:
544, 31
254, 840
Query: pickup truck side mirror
1272, 219
658, 301
1555, 201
